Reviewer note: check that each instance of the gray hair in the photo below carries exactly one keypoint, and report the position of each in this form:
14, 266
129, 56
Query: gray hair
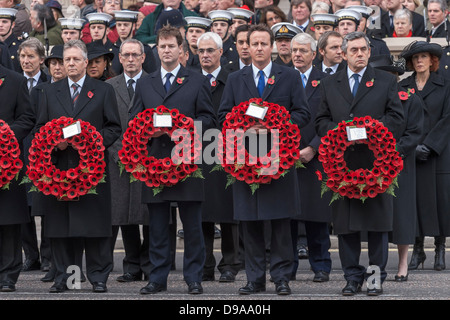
402, 14
442, 4
76, 44
211, 36
135, 41
354, 36
304, 38
33, 44
319, 6
121, 3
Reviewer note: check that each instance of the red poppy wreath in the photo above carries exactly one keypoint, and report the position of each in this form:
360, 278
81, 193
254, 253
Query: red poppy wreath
255, 170
10, 163
360, 183
167, 172
66, 185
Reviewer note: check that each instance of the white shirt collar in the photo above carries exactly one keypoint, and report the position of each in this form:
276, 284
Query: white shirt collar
174, 72
350, 73
135, 78
215, 73
241, 64
266, 71
79, 82
35, 77
333, 67
307, 72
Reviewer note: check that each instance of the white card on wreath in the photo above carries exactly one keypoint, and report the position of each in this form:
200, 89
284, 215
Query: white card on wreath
162, 120
354, 133
72, 130
256, 111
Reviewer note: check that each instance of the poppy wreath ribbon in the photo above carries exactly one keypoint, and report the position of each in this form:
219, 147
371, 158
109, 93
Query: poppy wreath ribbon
242, 165
10, 163
360, 183
167, 172
66, 185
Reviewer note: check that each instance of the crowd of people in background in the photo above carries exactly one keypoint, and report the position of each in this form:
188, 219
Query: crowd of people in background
130, 57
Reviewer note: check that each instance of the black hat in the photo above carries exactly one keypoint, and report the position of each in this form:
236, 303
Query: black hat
56, 53
421, 46
387, 63
97, 49
172, 17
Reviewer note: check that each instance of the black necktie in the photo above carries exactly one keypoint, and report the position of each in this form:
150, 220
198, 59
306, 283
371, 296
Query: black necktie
130, 88
328, 70
75, 94
209, 76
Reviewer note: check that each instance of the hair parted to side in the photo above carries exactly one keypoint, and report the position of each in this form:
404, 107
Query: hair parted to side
261, 28
168, 32
33, 44
211, 36
354, 36
79, 44
134, 41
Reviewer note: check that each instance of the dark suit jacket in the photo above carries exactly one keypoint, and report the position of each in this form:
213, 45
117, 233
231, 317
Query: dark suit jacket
280, 198
215, 182
193, 99
127, 208
441, 31
314, 207
91, 215
381, 102
16, 111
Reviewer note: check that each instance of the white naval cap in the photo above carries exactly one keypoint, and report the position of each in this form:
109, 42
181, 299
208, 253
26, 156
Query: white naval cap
285, 30
347, 14
125, 15
8, 13
363, 10
221, 15
241, 13
99, 18
198, 22
71, 23
324, 18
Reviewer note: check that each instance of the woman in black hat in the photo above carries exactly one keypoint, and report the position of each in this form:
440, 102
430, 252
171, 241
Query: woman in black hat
405, 213
99, 66
433, 151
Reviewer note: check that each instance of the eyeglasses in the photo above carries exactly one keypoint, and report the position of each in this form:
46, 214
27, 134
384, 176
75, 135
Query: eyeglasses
209, 51
133, 55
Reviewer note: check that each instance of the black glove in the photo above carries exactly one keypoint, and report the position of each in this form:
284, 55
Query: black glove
422, 152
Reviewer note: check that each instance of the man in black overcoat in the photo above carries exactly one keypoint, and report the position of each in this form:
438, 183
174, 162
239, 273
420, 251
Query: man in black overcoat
218, 204
190, 93
89, 218
279, 201
375, 95
17, 113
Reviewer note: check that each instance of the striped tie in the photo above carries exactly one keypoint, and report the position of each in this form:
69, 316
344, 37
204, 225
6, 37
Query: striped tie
75, 94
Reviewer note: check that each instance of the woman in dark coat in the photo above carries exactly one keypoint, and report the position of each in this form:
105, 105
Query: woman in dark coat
433, 151
405, 212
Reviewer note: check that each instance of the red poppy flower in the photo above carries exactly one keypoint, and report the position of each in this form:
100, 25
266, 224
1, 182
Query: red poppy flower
314, 83
369, 84
90, 94
403, 95
271, 81
180, 80
319, 175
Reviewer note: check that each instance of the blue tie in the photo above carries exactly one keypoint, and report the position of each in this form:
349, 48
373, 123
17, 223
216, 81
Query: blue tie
304, 81
261, 83
356, 85
167, 83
